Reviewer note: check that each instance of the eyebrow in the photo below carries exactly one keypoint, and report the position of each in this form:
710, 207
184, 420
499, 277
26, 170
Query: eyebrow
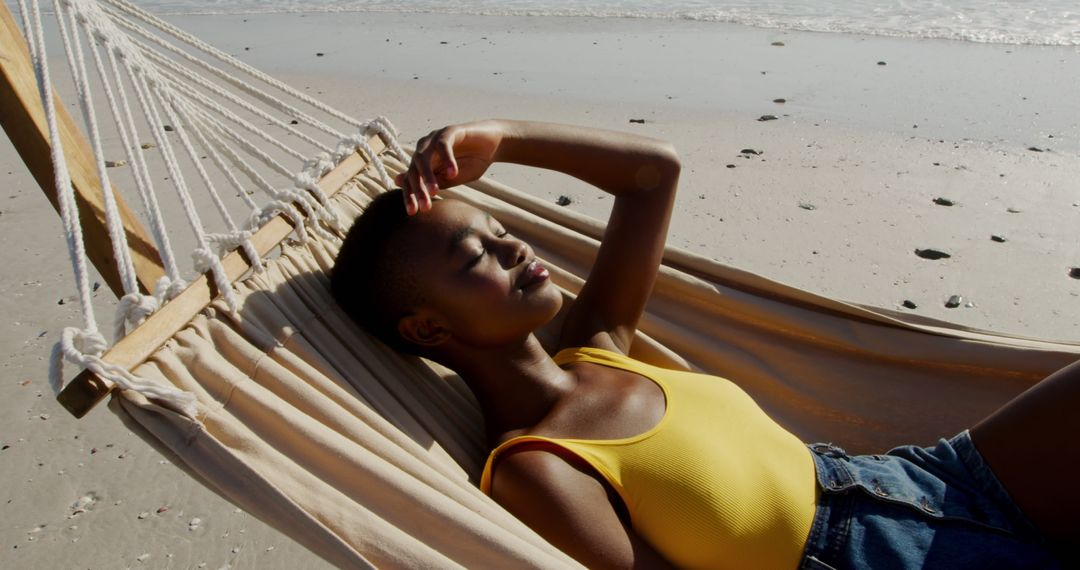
463, 233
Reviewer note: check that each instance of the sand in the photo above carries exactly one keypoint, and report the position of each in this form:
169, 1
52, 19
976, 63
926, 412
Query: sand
836, 196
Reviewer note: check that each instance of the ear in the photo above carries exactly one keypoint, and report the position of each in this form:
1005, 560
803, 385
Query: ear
423, 329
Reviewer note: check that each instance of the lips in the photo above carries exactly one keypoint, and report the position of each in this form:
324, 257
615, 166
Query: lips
533, 274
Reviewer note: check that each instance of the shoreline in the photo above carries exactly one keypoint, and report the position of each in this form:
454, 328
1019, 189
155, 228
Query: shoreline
928, 87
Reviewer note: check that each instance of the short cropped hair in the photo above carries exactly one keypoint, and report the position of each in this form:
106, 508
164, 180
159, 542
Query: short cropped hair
371, 282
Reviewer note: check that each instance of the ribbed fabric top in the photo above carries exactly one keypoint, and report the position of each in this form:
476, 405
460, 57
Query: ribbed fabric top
715, 484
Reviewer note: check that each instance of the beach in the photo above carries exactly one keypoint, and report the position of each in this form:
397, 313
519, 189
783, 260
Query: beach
824, 161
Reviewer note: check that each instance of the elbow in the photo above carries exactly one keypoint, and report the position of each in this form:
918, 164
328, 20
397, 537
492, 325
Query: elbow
660, 170
668, 159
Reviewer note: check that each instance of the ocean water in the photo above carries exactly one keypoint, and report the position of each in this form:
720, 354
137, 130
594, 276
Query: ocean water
1034, 22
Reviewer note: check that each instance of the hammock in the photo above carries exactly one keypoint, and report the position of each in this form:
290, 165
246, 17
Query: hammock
269, 396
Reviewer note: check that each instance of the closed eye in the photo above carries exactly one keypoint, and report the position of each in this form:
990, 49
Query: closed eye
483, 251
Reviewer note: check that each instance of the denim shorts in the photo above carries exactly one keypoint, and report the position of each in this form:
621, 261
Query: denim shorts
915, 507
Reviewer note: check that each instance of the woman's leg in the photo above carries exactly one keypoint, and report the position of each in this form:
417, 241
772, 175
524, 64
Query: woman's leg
1033, 446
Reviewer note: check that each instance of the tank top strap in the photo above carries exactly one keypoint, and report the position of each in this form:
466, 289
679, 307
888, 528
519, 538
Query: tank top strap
493, 457
606, 358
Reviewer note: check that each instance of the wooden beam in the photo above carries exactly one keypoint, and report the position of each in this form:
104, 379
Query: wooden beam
86, 390
23, 117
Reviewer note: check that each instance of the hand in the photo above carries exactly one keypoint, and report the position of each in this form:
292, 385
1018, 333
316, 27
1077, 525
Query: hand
457, 154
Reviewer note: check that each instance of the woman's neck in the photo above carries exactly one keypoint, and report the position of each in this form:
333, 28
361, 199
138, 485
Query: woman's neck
517, 385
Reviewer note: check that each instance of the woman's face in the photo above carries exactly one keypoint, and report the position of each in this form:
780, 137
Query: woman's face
478, 281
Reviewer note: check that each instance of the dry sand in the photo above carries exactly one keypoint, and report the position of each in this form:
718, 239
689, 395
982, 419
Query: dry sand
835, 198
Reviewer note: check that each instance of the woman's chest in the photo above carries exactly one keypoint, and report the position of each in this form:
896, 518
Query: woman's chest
607, 404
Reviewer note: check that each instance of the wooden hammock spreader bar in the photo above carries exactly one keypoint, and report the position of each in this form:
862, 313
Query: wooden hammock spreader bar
23, 117
87, 389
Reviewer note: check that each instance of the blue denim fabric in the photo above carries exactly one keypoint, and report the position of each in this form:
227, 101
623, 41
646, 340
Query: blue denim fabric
914, 507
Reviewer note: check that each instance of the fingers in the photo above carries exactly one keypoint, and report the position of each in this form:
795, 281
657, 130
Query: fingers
419, 183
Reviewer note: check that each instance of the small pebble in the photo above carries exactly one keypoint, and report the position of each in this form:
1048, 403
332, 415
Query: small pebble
730, 166
294, 122
115, 163
764, 118
944, 202
807, 206
319, 54
148, 146
194, 524
882, 63
932, 254
954, 301
1074, 272
909, 304
780, 100
1012, 210
563, 200
638, 121
168, 128
143, 557
1035, 149
143, 515
778, 44
96, 286
162, 510
998, 238
752, 151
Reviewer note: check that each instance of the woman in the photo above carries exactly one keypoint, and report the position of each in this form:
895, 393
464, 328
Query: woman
621, 464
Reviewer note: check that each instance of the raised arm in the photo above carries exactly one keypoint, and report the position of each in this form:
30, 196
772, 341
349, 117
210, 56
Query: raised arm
642, 173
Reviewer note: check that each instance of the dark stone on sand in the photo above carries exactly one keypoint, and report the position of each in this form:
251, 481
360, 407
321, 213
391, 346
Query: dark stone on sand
954, 302
443, 43
807, 206
731, 166
294, 122
62, 301
882, 63
638, 121
752, 151
319, 54
778, 44
1012, 210
247, 49
96, 285
1035, 149
115, 163
779, 100
168, 128
563, 200
1074, 272
944, 201
764, 118
932, 254
148, 146
998, 238
909, 304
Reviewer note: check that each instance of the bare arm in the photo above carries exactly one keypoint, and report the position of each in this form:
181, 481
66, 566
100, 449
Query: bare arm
641, 173
570, 508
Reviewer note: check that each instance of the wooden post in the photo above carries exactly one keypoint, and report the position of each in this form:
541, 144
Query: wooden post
23, 117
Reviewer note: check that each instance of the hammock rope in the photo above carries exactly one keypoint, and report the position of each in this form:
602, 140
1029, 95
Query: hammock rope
192, 101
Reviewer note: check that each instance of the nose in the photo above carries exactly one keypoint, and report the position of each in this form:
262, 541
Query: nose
514, 252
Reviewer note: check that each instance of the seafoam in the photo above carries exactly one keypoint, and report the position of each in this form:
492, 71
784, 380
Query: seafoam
1041, 22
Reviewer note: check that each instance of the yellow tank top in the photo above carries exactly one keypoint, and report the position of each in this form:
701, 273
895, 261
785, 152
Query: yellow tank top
715, 484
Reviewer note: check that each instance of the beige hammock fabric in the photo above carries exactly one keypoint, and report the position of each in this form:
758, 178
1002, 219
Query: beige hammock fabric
370, 458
